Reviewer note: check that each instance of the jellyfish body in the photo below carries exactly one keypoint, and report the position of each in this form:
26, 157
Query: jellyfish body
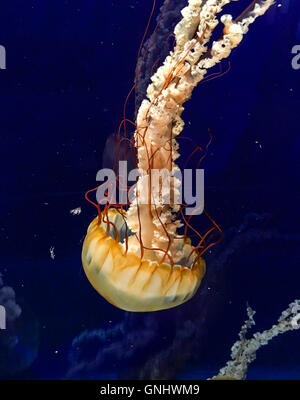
131, 283
136, 259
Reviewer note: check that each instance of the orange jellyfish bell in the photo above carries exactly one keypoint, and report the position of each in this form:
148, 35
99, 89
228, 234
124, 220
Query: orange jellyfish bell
129, 282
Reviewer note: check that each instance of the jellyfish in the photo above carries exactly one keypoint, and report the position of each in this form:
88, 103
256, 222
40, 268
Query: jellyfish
135, 253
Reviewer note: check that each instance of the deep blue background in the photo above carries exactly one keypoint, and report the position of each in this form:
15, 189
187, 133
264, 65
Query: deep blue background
70, 65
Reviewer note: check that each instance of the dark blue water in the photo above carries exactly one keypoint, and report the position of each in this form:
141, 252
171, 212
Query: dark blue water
70, 65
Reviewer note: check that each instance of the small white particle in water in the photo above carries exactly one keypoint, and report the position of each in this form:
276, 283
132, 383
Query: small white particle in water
76, 211
52, 254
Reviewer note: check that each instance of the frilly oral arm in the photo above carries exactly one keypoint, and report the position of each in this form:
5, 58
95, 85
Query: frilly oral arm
159, 117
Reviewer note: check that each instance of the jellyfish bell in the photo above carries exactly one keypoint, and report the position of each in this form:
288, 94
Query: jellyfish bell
130, 282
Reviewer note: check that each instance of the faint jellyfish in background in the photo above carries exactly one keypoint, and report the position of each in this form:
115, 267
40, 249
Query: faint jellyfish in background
20, 339
157, 47
8, 301
103, 353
